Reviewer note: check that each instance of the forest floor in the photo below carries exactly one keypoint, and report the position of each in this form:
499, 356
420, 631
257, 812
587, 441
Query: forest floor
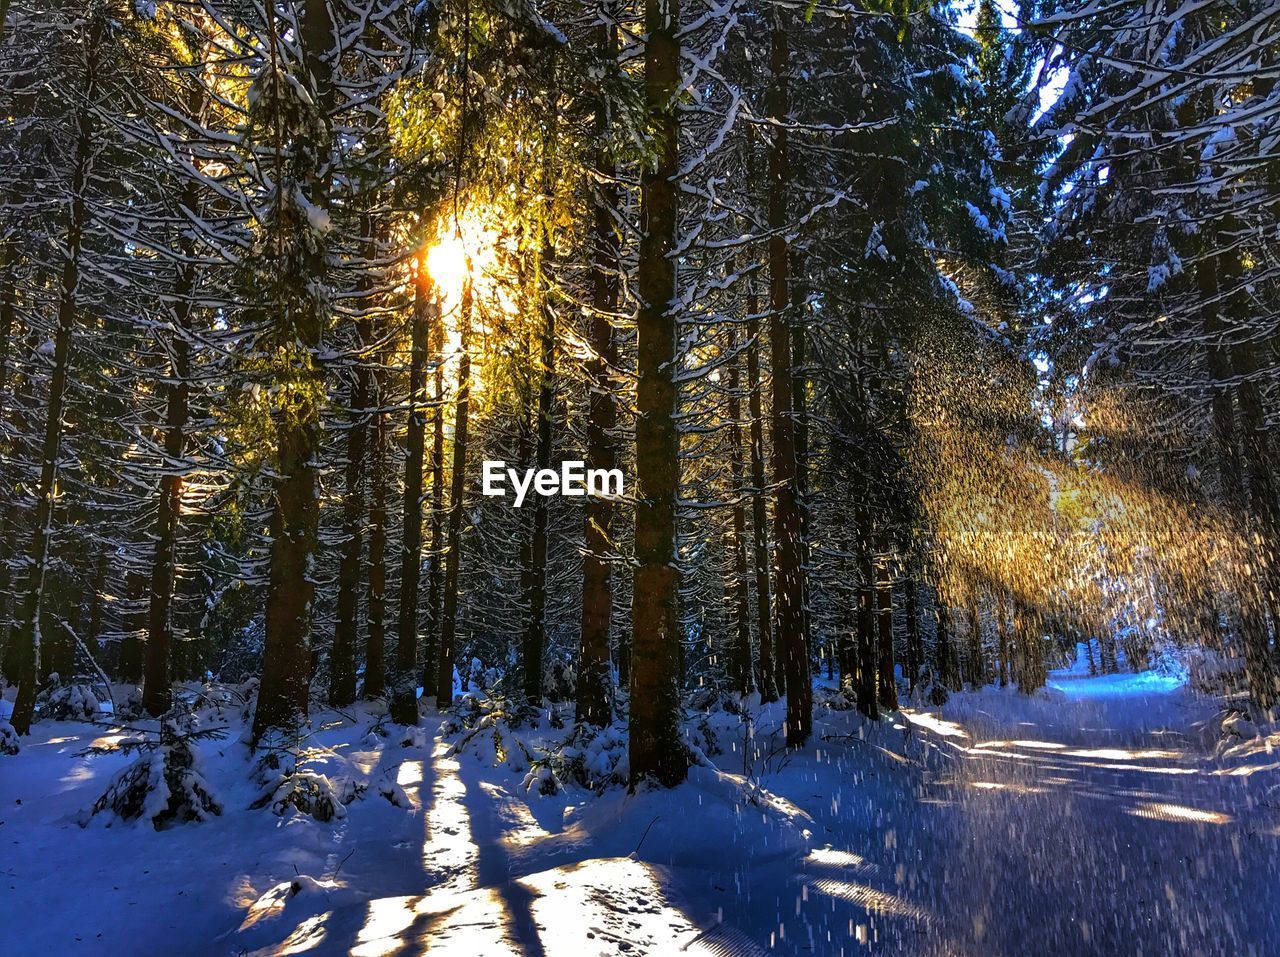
1104, 816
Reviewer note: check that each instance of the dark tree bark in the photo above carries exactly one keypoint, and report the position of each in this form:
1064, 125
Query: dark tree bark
375, 671
865, 686
28, 637
1259, 664
435, 566
404, 702
1031, 667
800, 415
976, 673
457, 492
133, 644
535, 632
157, 690
93, 630
915, 646
12, 528
1262, 590
597, 572
1002, 630
886, 687
739, 586
944, 650
286, 656
656, 749
759, 511
793, 651
342, 659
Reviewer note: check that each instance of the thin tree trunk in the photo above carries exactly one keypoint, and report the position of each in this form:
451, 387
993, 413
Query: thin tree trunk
457, 491
1002, 626
656, 750
342, 659
11, 529
157, 688
915, 647
597, 572
866, 691
977, 674
739, 587
535, 632
436, 523
375, 671
133, 644
94, 630
944, 650
28, 639
1259, 665
157, 682
800, 415
759, 510
789, 560
886, 687
1260, 490
404, 702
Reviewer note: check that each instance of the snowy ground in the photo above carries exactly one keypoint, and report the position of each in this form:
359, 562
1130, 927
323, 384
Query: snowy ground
1100, 818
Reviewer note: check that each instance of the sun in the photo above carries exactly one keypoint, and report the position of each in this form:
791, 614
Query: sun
465, 252
448, 264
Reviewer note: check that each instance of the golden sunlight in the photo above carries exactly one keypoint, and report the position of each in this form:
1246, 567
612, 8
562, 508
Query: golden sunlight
447, 264
466, 250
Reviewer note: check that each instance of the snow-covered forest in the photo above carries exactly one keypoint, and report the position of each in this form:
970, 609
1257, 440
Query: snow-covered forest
935, 609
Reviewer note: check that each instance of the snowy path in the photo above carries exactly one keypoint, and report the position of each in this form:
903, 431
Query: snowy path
1090, 822
1076, 825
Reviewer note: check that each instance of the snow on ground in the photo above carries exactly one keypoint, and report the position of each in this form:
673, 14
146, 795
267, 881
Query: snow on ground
1099, 817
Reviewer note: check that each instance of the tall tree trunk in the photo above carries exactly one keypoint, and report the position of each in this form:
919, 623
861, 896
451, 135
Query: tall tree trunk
28, 638
1258, 456
789, 561
944, 648
457, 492
157, 681
436, 523
800, 415
1002, 629
1027, 630
535, 632
865, 686
286, 655
915, 647
342, 659
886, 687
739, 587
759, 510
133, 644
8, 538
375, 670
1259, 664
404, 702
656, 749
96, 600
157, 696
976, 672
11, 530
602, 415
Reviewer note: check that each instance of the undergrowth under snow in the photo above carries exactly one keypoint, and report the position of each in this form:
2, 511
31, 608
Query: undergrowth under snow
996, 823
